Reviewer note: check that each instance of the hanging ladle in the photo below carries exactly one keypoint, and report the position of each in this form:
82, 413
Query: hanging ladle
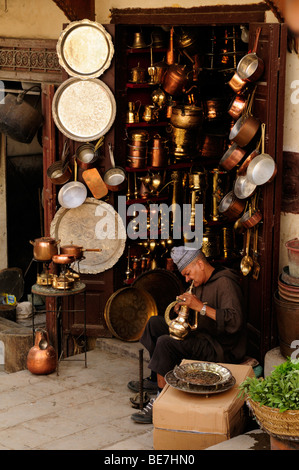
246, 262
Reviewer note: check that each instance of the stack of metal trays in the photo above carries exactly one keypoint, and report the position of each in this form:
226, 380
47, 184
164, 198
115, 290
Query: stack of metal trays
201, 377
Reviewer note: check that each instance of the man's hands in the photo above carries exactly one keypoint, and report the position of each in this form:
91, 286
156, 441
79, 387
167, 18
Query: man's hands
190, 300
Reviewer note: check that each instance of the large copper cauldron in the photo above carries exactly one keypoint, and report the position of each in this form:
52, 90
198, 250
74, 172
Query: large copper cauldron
186, 117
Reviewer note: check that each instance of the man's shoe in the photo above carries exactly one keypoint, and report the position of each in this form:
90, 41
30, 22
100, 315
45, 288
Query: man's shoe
146, 415
148, 386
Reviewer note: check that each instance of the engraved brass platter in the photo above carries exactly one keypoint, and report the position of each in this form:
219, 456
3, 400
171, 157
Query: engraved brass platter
127, 312
83, 110
94, 224
202, 373
85, 49
178, 384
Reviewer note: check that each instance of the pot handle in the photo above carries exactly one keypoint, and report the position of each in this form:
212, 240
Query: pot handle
21, 96
257, 36
111, 155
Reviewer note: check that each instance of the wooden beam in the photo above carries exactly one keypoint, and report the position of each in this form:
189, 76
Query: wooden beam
219, 14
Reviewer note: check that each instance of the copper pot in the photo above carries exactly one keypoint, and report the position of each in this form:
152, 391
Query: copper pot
212, 145
137, 151
86, 156
76, 251
237, 106
59, 172
243, 168
136, 162
249, 220
251, 67
232, 157
244, 130
139, 137
186, 117
231, 207
44, 248
237, 83
158, 152
41, 358
214, 109
138, 74
175, 79
160, 70
63, 259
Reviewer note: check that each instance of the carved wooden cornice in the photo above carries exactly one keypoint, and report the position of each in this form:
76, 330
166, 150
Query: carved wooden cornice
278, 8
76, 10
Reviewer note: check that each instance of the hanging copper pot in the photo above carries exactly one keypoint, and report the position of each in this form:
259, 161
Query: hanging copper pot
244, 130
232, 157
231, 207
237, 106
175, 79
42, 358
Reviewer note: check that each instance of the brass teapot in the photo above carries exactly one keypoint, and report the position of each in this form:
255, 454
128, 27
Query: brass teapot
179, 327
159, 97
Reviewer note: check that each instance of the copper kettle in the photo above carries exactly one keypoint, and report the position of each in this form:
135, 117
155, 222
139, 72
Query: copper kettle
41, 359
175, 79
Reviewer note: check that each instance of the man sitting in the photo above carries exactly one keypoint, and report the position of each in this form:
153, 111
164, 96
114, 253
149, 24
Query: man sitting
220, 336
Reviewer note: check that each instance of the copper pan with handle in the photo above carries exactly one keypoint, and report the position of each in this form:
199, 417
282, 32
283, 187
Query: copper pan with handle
251, 66
116, 177
232, 156
246, 127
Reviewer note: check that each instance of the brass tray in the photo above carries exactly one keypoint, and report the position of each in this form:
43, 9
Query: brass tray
85, 226
162, 285
171, 380
127, 312
83, 110
202, 373
85, 49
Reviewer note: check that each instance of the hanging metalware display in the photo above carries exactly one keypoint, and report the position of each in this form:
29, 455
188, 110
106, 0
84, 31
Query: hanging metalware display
84, 107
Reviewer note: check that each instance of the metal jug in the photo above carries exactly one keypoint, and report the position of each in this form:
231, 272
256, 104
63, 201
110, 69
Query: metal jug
42, 358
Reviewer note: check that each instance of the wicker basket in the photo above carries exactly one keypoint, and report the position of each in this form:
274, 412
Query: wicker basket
278, 424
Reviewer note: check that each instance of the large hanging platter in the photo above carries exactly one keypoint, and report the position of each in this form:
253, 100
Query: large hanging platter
83, 110
85, 49
127, 312
94, 224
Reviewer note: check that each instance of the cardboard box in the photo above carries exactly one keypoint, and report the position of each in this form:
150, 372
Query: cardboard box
187, 421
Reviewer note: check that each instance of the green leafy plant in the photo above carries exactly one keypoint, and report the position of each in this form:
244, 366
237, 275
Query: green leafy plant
278, 390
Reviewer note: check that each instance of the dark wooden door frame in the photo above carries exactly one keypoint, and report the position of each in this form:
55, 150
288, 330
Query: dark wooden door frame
206, 15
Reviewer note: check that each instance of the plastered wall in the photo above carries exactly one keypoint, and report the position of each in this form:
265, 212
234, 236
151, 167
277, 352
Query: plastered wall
289, 223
